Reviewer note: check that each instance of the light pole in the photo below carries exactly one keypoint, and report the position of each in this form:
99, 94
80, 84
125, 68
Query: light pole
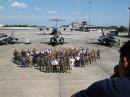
89, 15
129, 26
89, 11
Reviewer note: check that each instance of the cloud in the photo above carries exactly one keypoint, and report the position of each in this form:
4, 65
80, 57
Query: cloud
36, 8
16, 4
2, 7
52, 12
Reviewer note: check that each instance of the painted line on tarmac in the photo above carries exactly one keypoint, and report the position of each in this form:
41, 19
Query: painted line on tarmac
59, 85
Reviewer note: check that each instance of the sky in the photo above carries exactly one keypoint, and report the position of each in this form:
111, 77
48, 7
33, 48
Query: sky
38, 12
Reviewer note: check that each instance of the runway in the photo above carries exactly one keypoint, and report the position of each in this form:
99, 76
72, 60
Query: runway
30, 82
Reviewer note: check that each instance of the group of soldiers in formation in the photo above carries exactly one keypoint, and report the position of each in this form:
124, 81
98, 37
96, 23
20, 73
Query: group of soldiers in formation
56, 60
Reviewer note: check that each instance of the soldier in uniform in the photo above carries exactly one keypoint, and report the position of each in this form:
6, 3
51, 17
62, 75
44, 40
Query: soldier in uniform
43, 60
82, 59
98, 53
35, 56
119, 42
15, 56
28, 51
39, 61
89, 56
23, 58
34, 50
47, 63
71, 62
61, 66
30, 61
93, 55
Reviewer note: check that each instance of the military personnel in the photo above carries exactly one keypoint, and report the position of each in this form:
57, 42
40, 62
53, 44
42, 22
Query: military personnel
15, 56
23, 53
77, 61
30, 61
35, 56
61, 65
43, 60
23, 61
34, 50
89, 59
54, 64
57, 60
82, 60
48, 64
67, 65
28, 51
93, 55
23, 58
39, 61
71, 62
98, 53
119, 42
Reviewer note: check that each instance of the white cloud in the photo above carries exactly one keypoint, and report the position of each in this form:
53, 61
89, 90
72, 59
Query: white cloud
2, 7
18, 5
52, 12
36, 8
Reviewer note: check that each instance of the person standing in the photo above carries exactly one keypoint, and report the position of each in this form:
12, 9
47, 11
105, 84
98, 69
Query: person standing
112, 87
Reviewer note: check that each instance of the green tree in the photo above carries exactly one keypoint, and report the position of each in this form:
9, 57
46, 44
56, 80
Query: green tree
122, 29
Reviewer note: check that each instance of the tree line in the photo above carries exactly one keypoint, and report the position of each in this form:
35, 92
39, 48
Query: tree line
19, 25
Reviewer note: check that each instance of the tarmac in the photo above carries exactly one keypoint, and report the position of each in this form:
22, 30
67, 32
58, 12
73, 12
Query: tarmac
30, 82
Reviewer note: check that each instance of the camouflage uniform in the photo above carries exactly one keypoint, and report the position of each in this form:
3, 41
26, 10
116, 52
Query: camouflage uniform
16, 59
93, 55
98, 53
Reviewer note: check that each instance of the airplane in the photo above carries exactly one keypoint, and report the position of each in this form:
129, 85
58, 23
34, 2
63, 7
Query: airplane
55, 31
56, 39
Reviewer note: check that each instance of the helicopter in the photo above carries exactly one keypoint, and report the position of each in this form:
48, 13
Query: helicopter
109, 39
7, 39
